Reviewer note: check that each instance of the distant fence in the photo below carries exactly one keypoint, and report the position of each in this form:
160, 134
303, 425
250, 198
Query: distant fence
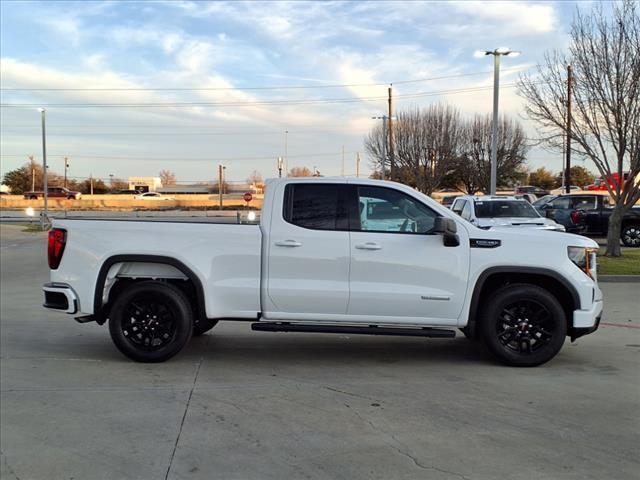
122, 202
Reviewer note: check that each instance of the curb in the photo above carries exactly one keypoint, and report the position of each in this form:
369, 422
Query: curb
619, 278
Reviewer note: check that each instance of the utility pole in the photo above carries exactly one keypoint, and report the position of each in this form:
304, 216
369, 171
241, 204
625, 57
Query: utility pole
357, 164
342, 171
33, 174
279, 167
286, 154
66, 165
567, 175
91, 183
220, 186
45, 215
390, 128
384, 145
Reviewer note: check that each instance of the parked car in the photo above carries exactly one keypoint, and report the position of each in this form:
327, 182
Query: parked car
537, 191
591, 213
321, 260
54, 192
447, 201
501, 211
153, 196
613, 180
529, 197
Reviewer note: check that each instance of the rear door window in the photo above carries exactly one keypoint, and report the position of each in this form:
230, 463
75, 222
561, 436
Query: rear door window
317, 206
584, 203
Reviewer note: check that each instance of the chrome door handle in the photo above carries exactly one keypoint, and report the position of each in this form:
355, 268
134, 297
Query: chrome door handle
369, 246
288, 243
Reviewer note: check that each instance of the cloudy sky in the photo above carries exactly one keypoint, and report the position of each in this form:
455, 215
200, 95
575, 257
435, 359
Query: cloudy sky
136, 87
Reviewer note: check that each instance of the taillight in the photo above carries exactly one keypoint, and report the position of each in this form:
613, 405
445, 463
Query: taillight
575, 217
57, 241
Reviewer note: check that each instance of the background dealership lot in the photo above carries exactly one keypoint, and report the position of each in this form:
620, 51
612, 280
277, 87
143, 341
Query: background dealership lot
241, 404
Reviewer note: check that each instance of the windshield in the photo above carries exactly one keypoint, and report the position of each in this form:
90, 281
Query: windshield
505, 208
543, 200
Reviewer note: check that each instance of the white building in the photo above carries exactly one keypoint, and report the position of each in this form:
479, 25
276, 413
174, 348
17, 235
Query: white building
145, 184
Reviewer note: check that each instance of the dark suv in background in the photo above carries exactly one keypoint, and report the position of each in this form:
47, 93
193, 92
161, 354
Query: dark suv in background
589, 214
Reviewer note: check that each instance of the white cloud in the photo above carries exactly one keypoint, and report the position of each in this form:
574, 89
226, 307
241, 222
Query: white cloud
508, 18
66, 26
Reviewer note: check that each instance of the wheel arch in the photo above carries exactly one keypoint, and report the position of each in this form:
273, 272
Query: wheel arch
100, 310
494, 277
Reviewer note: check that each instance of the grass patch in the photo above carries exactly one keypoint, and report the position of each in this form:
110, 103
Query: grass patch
627, 264
33, 228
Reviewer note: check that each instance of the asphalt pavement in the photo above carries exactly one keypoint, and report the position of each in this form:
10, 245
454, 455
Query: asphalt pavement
243, 405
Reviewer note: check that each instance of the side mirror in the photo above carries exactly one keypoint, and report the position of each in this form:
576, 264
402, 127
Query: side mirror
448, 229
550, 214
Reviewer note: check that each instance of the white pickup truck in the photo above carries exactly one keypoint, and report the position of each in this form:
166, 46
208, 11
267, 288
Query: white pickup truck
329, 255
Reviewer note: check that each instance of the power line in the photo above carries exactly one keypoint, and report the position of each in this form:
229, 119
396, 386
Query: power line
179, 157
282, 87
251, 103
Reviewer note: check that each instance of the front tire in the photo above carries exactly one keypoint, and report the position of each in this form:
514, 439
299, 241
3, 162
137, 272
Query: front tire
630, 236
523, 325
151, 322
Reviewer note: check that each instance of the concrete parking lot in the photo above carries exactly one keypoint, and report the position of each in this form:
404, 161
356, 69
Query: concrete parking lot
246, 405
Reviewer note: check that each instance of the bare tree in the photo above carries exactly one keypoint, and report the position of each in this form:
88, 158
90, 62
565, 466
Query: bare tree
435, 147
118, 184
473, 168
426, 146
167, 177
300, 172
604, 52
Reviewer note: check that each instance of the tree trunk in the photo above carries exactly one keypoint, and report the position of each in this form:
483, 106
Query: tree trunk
613, 235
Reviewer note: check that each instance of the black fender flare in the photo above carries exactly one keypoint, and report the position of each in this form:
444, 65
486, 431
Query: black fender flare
98, 311
482, 278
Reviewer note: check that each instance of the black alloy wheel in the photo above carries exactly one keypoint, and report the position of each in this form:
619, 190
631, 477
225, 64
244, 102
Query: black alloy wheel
151, 321
523, 325
630, 236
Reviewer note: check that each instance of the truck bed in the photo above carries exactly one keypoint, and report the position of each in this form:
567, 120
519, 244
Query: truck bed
225, 258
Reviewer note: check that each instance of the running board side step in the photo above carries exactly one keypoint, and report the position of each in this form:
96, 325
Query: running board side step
353, 330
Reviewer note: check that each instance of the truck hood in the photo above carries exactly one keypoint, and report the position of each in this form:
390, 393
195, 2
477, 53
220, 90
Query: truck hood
537, 222
528, 236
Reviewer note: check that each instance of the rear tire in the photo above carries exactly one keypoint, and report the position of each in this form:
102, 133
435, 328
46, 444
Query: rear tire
151, 322
630, 236
523, 325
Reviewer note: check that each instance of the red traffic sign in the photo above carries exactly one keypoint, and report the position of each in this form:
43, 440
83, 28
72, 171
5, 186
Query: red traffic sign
247, 197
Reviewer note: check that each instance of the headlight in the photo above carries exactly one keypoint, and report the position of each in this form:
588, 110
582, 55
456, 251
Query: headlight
584, 258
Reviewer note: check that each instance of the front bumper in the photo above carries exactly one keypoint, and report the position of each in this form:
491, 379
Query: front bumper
588, 318
580, 332
60, 296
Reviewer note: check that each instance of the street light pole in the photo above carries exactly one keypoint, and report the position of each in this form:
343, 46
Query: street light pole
494, 124
45, 213
497, 53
